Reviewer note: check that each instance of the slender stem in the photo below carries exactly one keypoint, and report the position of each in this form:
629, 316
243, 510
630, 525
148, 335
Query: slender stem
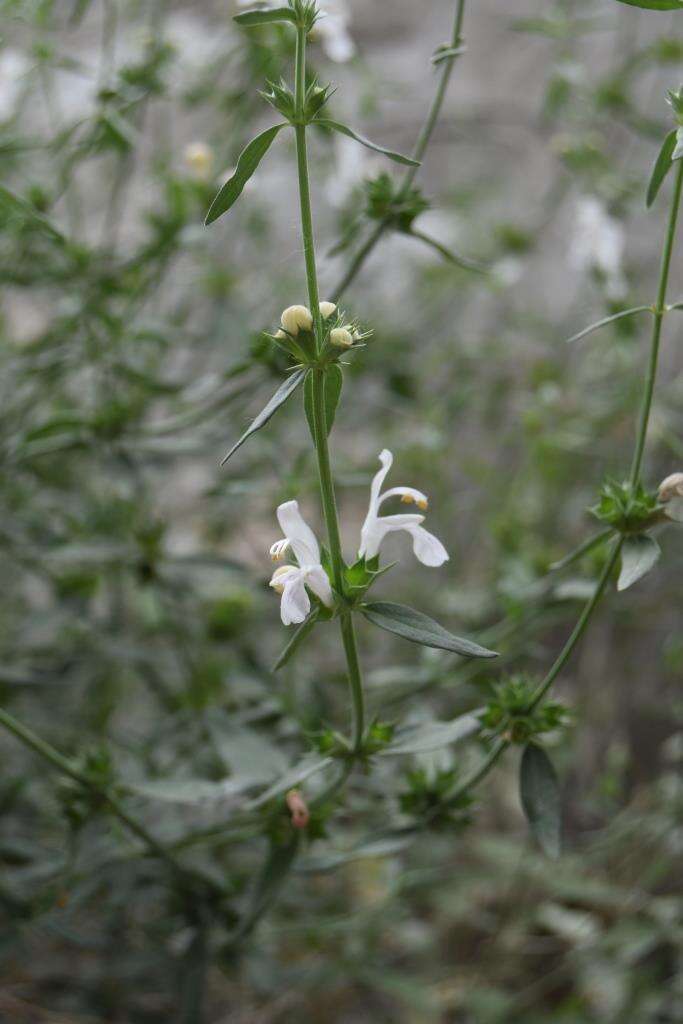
318, 395
418, 153
659, 312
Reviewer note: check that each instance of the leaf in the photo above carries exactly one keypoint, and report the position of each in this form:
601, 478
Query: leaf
13, 207
192, 791
662, 166
432, 735
300, 634
336, 126
581, 550
449, 254
251, 18
333, 381
248, 754
279, 398
249, 159
655, 5
608, 320
310, 765
638, 555
540, 796
420, 629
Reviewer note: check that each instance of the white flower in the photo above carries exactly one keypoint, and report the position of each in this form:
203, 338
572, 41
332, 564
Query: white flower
427, 548
291, 580
598, 244
296, 318
671, 496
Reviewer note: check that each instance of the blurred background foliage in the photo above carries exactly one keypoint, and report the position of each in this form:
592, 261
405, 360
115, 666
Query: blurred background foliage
137, 632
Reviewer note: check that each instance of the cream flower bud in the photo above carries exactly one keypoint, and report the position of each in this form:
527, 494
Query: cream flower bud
275, 582
671, 496
198, 159
327, 309
295, 319
342, 337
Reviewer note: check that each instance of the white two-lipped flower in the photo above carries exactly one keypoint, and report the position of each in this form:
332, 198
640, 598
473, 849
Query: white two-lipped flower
290, 581
428, 549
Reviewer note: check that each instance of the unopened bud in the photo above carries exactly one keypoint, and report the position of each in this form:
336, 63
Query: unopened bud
327, 309
342, 337
298, 808
671, 496
198, 158
295, 319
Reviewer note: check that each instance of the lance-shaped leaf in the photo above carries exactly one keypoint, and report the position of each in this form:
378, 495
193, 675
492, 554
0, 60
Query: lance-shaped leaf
310, 765
608, 320
249, 159
662, 166
421, 739
333, 381
638, 555
250, 18
449, 254
14, 208
300, 634
420, 629
279, 398
655, 5
540, 795
581, 550
343, 129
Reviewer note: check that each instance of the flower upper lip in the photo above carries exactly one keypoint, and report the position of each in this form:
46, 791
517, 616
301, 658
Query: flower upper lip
427, 548
291, 580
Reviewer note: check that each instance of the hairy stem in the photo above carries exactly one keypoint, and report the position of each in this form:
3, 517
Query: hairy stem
318, 383
418, 153
659, 312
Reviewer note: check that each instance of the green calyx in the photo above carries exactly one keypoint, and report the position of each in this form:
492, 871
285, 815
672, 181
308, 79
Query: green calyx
508, 714
628, 509
392, 204
432, 798
376, 738
281, 98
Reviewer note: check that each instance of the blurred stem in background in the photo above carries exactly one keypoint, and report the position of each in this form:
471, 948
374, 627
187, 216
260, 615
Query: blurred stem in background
418, 152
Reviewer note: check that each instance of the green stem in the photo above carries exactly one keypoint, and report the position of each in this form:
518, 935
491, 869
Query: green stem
318, 396
659, 312
418, 153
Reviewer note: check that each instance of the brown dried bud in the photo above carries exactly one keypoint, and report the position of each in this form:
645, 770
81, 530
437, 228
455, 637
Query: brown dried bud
298, 808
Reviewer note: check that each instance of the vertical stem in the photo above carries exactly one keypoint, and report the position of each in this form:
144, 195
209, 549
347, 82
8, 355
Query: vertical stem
650, 380
318, 394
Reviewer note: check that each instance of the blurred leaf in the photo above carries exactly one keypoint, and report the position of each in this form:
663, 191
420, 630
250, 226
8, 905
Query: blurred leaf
540, 796
420, 629
449, 254
336, 126
249, 159
192, 791
279, 398
249, 755
300, 634
333, 381
310, 765
432, 735
14, 208
251, 18
663, 165
638, 555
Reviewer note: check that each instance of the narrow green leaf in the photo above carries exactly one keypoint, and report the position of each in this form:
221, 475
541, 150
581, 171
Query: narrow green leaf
251, 18
581, 550
540, 796
449, 254
192, 791
420, 629
300, 634
655, 5
343, 129
334, 379
662, 166
431, 736
310, 765
14, 208
638, 555
249, 159
608, 320
279, 398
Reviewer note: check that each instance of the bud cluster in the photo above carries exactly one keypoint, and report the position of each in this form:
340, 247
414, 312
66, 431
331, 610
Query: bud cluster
297, 334
427, 799
508, 714
627, 508
391, 204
